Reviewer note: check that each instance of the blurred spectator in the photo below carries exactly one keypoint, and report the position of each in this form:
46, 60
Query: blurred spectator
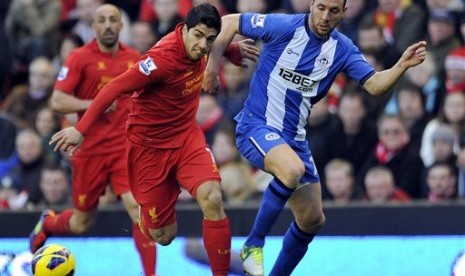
381, 187
217, 3
142, 36
395, 152
5, 53
210, 116
353, 137
8, 156
444, 138
295, 6
255, 6
411, 104
237, 183
453, 5
25, 99
426, 77
224, 146
7, 138
455, 8
27, 172
453, 114
441, 180
441, 37
84, 13
373, 61
67, 8
335, 91
352, 19
55, 187
167, 17
13, 196
455, 70
403, 23
340, 181
32, 28
320, 123
46, 123
461, 165
68, 44
147, 14
462, 27
234, 90
370, 39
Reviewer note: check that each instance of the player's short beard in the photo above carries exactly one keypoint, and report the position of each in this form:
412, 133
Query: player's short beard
109, 44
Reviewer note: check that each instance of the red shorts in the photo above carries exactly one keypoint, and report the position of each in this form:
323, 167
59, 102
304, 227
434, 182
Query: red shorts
91, 175
155, 176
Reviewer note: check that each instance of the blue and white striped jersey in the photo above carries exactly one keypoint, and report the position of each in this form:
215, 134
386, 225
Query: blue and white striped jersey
295, 70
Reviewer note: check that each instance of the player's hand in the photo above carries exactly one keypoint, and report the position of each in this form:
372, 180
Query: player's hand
413, 55
248, 51
211, 82
68, 140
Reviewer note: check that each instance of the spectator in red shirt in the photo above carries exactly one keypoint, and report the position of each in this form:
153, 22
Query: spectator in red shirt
380, 187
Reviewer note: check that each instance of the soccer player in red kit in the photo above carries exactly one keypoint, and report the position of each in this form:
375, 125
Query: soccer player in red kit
165, 146
101, 159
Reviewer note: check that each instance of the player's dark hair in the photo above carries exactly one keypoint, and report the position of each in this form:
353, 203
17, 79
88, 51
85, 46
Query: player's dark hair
205, 14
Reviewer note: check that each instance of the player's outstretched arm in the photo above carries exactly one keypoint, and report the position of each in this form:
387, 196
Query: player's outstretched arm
383, 81
230, 27
68, 140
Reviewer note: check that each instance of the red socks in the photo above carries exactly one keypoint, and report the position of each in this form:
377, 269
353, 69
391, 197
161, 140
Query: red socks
217, 242
147, 250
58, 224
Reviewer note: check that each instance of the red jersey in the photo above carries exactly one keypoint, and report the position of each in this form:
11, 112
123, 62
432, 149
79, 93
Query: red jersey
83, 75
163, 112
166, 86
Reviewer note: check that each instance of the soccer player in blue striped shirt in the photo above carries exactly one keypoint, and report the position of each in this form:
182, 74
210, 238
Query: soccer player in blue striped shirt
301, 56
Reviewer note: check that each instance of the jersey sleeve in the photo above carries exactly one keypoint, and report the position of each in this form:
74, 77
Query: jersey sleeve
70, 74
356, 66
125, 83
152, 67
143, 73
265, 26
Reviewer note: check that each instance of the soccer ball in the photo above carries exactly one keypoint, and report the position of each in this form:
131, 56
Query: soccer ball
53, 260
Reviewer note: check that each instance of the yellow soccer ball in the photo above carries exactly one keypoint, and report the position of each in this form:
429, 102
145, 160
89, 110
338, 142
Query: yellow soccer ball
53, 260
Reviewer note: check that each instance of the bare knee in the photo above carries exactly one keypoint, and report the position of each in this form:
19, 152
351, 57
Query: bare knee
162, 236
283, 162
211, 201
290, 173
311, 222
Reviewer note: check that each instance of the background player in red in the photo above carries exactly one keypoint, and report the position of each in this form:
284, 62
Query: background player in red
165, 145
101, 158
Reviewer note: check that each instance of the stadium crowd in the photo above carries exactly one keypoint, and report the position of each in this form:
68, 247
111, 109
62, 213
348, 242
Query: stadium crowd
407, 145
